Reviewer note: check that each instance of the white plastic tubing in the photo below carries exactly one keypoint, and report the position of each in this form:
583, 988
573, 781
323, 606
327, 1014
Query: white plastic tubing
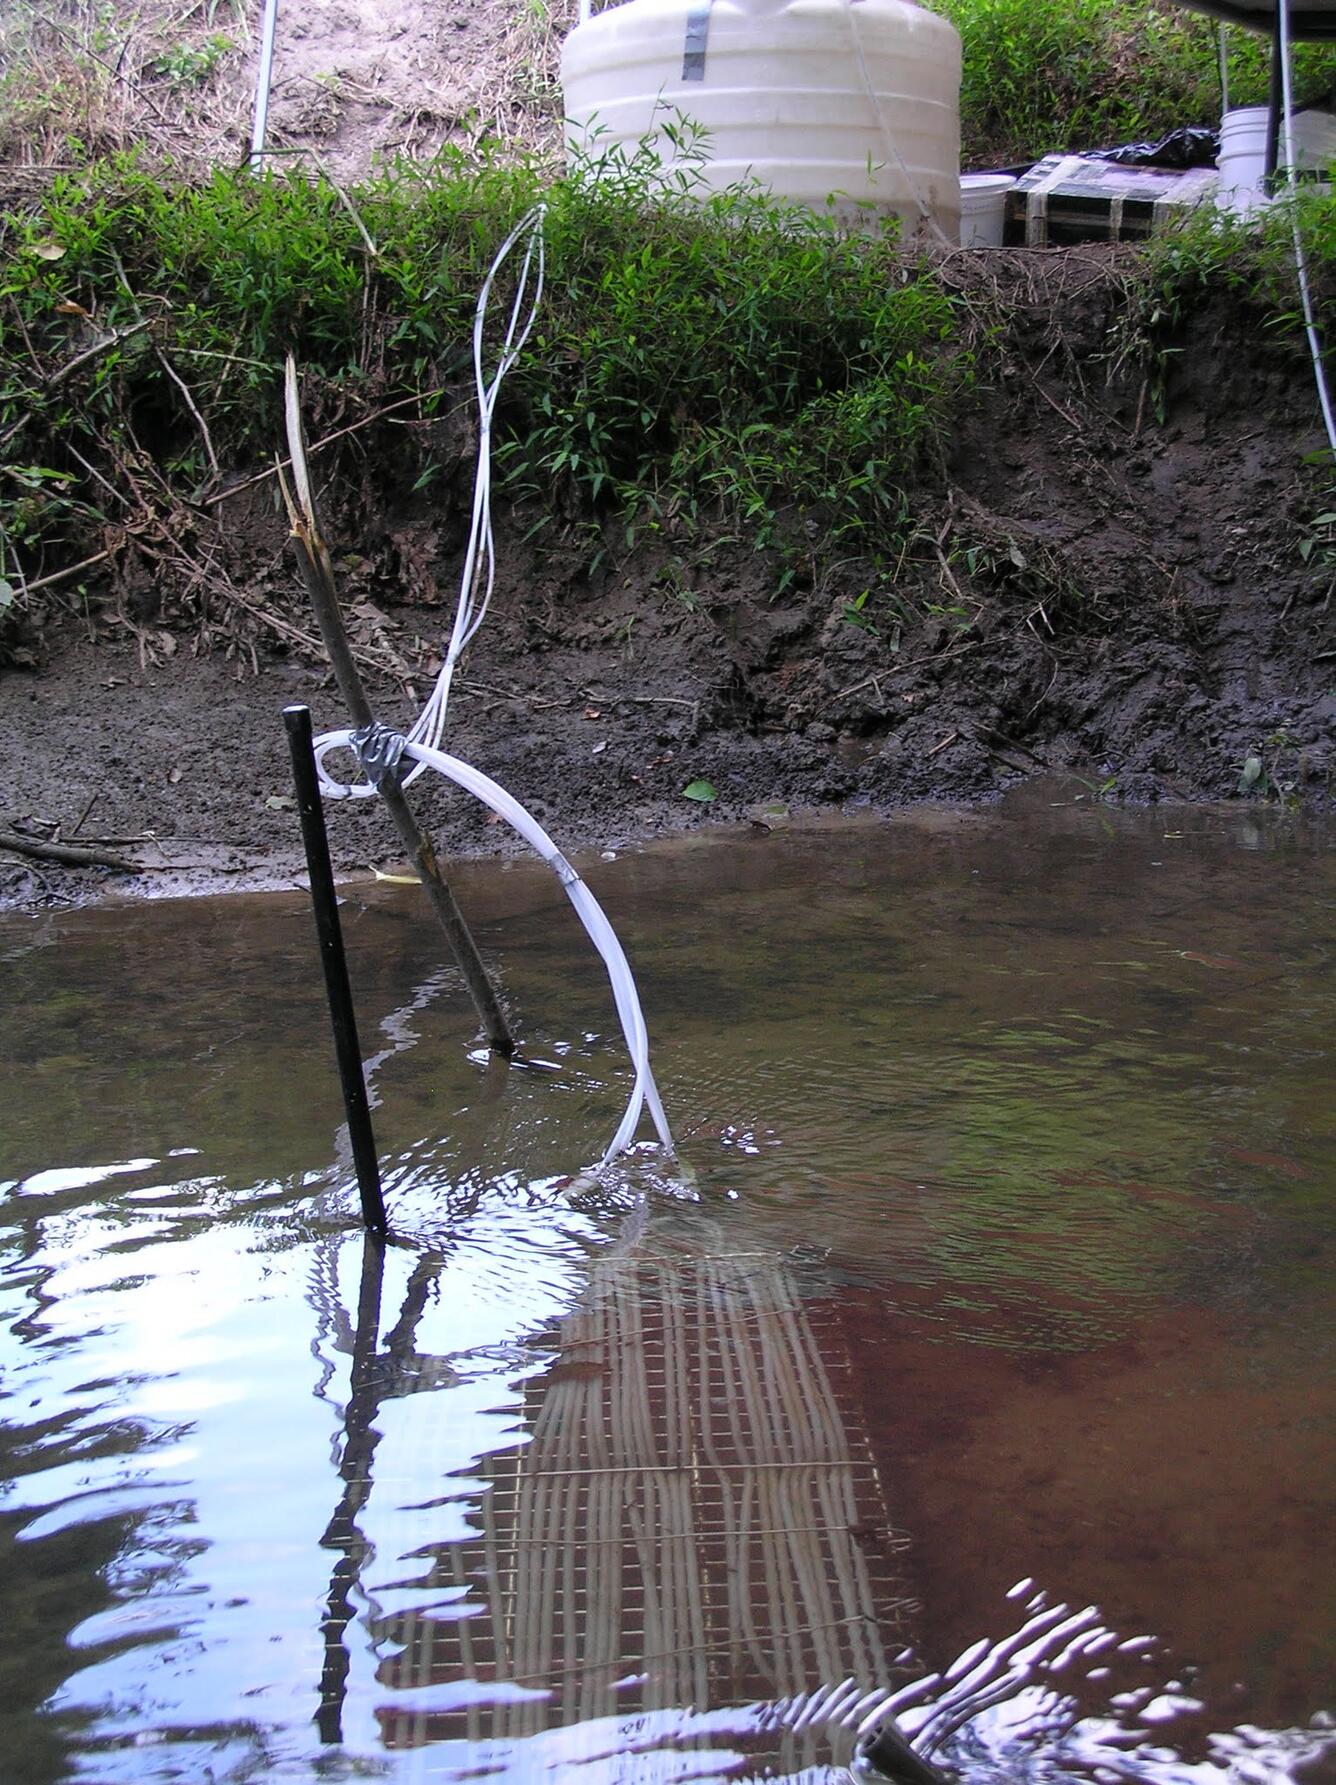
423, 741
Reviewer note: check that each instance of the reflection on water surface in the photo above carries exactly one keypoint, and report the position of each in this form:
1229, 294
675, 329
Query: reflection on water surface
979, 1367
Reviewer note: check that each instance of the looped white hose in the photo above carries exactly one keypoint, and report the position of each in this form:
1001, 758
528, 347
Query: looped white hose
479, 572
422, 747
589, 911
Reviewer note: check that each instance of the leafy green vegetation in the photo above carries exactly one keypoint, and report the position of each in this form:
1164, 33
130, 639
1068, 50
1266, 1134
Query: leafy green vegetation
188, 64
738, 358
1251, 261
1040, 76
703, 366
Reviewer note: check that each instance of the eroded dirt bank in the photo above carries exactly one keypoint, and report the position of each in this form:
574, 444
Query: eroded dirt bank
1106, 578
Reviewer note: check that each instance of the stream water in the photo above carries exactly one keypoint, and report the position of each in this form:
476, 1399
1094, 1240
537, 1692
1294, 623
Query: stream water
996, 1282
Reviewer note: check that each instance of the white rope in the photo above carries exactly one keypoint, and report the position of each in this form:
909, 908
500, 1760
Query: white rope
925, 213
422, 746
479, 558
479, 572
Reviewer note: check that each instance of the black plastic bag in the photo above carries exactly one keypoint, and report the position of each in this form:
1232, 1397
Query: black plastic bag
1194, 145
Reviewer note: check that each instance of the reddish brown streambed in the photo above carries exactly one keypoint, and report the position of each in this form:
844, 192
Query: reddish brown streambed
1178, 1479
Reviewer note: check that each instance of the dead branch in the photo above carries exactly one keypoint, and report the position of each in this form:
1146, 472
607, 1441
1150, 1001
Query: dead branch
317, 574
66, 853
55, 577
895, 669
54, 379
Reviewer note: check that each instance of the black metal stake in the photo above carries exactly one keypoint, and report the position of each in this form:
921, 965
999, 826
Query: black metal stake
330, 935
1275, 103
366, 1388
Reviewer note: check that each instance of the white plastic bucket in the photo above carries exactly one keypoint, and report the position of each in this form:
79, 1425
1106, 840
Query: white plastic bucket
983, 209
1242, 160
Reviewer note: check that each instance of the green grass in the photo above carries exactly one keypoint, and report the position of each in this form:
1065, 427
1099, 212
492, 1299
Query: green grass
80, 78
1249, 262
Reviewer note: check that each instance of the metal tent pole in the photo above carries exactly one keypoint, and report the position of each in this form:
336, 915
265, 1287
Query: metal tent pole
268, 23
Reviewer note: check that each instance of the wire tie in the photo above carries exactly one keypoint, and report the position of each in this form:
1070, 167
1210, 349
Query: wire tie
379, 752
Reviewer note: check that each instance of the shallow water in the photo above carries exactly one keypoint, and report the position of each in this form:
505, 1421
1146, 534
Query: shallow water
999, 1282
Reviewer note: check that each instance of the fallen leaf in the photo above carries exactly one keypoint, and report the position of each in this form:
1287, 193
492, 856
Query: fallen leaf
591, 713
47, 250
394, 879
173, 775
599, 747
1272, 1161
703, 791
281, 802
67, 307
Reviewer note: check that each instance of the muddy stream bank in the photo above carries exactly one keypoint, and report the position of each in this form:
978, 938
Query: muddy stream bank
1108, 580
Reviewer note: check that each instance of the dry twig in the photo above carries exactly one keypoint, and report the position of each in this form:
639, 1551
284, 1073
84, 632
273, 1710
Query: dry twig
66, 853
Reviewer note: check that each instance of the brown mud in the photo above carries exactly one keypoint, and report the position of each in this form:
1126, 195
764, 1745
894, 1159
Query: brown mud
1106, 579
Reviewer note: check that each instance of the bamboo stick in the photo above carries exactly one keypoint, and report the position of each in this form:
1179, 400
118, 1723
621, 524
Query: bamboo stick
317, 574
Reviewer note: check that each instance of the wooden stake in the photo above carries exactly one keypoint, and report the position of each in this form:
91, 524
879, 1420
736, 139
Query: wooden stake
317, 574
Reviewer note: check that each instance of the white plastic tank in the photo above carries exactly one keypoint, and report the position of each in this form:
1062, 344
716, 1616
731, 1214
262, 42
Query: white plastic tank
855, 101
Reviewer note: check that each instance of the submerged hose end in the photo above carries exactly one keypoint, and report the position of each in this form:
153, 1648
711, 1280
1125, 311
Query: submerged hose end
884, 1753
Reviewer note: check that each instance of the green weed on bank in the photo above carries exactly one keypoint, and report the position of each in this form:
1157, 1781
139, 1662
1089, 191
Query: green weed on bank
1250, 261
735, 357
1042, 76
722, 364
